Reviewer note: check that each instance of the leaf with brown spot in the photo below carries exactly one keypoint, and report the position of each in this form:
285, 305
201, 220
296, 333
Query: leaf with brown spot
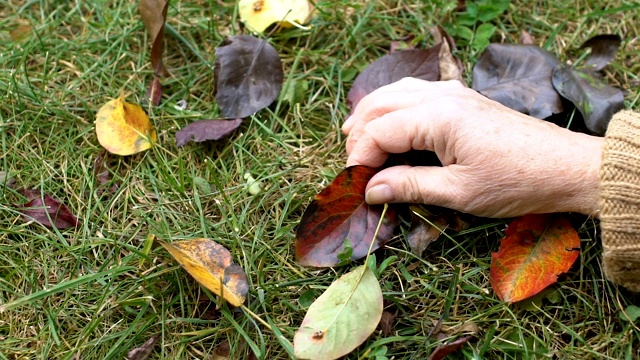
212, 266
46, 210
536, 249
449, 348
337, 214
203, 130
248, 74
154, 16
143, 352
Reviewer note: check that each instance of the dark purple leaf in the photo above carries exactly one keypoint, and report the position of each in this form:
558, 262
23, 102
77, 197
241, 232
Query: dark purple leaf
519, 77
102, 173
445, 349
203, 130
596, 101
249, 76
603, 50
46, 210
421, 64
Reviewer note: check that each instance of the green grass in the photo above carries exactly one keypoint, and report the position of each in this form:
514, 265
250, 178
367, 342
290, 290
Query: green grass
94, 293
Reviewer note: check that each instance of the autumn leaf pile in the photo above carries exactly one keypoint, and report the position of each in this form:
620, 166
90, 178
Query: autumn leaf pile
338, 228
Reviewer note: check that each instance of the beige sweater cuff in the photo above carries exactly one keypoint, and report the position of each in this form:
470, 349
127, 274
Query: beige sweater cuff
620, 200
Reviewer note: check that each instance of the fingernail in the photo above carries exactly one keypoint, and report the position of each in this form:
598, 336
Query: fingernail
379, 194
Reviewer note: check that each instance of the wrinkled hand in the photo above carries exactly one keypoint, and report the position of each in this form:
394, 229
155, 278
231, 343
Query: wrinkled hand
496, 162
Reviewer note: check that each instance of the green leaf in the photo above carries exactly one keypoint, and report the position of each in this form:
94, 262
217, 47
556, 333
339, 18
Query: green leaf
632, 313
342, 317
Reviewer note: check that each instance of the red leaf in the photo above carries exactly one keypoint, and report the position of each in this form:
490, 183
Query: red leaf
535, 250
338, 213
203, 130
47, 211
445, 349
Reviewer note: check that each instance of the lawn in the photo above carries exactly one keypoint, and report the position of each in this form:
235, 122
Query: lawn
100, 290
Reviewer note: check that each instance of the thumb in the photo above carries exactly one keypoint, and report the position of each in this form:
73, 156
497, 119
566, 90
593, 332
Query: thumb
421, 184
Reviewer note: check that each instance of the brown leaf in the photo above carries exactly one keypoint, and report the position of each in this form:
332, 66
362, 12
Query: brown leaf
203, 130
386, 323
154, 16
154, 91
221, 351
102, 173
46, 210
248, 75
603, 50
143, 352
526, 38
450, 66
422, 64
337, 214
445, 349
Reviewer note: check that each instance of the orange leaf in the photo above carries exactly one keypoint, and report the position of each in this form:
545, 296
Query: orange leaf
535, 250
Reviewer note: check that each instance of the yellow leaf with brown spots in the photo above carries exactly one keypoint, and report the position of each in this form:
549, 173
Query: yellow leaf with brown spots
260, 14
124, 128
212, 266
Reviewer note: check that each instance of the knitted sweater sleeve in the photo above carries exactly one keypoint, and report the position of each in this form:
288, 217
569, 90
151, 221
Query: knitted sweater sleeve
620, 200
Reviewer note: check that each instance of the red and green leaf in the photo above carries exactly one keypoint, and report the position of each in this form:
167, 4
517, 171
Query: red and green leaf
339, 216
535, 250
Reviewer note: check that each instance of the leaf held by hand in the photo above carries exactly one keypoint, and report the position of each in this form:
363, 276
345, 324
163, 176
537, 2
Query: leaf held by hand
203, 130
338, 213
603, 50
212, 266
47, 211
535, 250
518, 77
342, 317
124, 128
258, 15
249, 76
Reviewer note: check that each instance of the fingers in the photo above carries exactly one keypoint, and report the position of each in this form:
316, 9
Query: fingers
399, 132
403, 94
438, 186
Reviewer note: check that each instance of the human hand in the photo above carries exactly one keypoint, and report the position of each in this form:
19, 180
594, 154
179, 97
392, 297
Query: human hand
496, 162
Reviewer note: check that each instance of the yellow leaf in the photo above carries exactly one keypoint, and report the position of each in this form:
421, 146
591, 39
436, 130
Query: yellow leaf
260, 14
123, 128
211, 265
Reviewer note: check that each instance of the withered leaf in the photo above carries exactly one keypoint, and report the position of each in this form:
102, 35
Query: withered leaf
203, 130
526, 38
445, 349
421, 64
519, 77
603, 50
154, 16
154, 91
249, 76
46, 210
596, 101
450, 66
143, 352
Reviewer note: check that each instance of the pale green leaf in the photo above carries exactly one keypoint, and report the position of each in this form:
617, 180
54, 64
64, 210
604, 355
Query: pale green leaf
342, 317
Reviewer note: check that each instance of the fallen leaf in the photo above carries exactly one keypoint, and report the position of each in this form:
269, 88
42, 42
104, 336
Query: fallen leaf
526, 38
631, 313
212, 266
124, 128
154, 91
203, 130
450, 66
222, 351
535, 250
249, 76
342, 317
519, 77
603, 50
445, 349
596, 101
258, 15
423, 233
143, 352
405, 43
20, 32
422, 64
154, 16
339, 214
102, 173
46, 210
386, 323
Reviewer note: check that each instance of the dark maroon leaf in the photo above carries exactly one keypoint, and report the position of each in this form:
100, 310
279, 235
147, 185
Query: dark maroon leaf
421, 64
46, 210
203, 130
603, 50
337, 214
143, 352
102, 173
596, 101
519, 77
249, 76
154, 16
154, 91
445, 349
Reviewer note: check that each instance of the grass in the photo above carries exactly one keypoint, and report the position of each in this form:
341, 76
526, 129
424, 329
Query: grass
95, 293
